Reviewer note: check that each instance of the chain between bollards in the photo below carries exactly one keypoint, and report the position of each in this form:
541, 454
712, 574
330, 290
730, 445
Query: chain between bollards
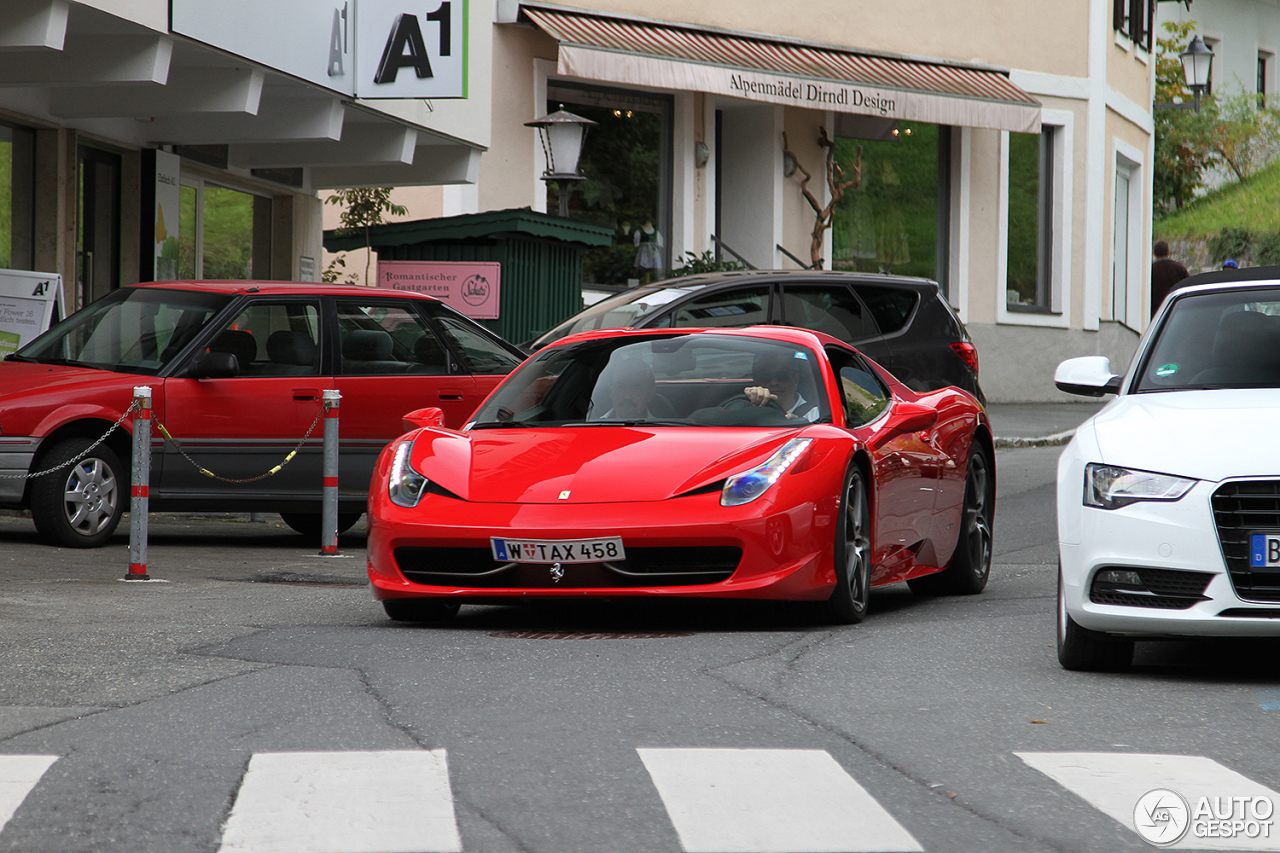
141, 483
329, 508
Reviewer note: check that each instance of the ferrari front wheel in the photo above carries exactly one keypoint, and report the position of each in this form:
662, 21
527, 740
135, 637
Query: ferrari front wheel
420, 609
849, 600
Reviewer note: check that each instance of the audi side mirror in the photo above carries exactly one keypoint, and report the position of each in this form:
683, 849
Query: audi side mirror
1087, 376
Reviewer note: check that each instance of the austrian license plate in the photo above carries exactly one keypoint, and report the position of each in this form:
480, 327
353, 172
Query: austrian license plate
1264, 550
557, 550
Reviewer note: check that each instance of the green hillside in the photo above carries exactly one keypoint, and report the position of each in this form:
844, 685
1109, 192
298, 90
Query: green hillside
1251, 206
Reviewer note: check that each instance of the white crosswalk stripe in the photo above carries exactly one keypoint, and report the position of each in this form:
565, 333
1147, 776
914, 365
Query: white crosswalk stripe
18, 775
1114, 782
769, 801
344, 802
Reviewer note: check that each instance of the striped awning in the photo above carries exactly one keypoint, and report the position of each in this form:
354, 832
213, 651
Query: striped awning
681, 58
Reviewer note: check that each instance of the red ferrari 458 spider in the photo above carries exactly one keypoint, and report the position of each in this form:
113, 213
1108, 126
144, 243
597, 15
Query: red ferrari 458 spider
767, 462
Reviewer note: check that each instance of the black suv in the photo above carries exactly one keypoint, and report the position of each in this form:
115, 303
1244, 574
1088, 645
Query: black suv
903, 323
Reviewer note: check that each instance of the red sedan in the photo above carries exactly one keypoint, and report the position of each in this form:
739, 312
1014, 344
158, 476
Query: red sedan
768, 462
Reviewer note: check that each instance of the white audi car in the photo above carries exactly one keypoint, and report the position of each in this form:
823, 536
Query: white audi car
1169, 498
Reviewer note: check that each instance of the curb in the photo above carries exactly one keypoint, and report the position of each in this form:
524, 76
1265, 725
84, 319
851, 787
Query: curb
1056, 440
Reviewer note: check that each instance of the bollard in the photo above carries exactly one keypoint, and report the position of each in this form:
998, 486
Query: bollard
141, 482
329, 509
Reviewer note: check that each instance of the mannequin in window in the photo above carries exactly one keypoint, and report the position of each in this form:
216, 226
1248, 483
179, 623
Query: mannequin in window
648, 242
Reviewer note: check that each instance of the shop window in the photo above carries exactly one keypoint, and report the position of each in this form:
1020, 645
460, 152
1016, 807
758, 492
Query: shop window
1030, 225
223, 233
895, 221
17, 186
626, 161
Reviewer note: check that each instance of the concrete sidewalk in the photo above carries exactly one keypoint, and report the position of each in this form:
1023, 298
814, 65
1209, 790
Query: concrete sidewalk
1038, 424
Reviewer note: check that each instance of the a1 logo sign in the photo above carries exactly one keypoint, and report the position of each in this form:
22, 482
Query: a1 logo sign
422, 54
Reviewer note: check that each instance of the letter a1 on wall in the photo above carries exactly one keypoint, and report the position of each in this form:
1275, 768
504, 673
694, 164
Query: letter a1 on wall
412, 54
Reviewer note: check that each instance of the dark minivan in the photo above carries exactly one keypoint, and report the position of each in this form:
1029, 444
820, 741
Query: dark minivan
905, 324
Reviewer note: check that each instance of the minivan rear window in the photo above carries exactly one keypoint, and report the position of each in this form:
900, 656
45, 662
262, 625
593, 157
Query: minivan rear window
891, 306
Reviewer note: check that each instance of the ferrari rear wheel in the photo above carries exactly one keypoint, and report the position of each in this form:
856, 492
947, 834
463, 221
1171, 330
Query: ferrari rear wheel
420, 609
1088, 651
970, 565
849, 600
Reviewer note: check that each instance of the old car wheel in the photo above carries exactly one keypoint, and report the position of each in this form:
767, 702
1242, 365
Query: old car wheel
970, 565
78, 506
1088, 651
420, 609
849, 600
309, 524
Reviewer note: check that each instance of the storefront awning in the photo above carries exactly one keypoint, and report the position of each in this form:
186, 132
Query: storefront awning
755, 68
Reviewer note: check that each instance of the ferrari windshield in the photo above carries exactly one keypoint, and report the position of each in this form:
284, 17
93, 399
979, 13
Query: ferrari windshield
1216, 339
618, 312
696, 379
132, 330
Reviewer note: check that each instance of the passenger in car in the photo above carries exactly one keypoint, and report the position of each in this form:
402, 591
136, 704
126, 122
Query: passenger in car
631, 387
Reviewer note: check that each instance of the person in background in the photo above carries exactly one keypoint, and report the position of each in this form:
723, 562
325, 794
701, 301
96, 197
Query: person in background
1166, 273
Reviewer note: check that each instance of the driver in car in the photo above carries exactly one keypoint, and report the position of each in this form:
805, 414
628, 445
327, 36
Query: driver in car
777, 378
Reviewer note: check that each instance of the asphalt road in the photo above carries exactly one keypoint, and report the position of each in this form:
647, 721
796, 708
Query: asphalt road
186, 714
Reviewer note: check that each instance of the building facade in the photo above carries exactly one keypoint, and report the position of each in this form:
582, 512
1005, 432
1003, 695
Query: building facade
1001, 150
153, 139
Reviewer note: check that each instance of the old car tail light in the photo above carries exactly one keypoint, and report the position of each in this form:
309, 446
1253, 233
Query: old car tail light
968, 354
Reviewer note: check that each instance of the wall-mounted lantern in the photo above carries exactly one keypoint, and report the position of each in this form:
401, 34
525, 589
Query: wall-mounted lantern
1197, 63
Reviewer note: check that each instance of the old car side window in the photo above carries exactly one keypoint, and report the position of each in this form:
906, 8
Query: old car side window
890, 306
864, 396
831, 309
743, 306
383, 339
273, 339
481, 356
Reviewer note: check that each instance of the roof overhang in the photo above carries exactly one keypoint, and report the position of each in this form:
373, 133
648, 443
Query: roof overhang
121, 80
751, 67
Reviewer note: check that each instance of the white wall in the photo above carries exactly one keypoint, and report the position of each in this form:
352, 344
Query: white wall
750, 207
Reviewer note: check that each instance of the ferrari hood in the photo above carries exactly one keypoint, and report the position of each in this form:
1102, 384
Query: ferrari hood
588, 464
1209, 435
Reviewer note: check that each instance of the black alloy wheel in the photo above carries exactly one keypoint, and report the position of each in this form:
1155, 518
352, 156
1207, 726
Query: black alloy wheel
970, 565
420, 609
849, 600
79, 506
1088, 651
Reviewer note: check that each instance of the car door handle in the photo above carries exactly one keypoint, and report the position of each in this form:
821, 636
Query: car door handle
449, 394
305, 395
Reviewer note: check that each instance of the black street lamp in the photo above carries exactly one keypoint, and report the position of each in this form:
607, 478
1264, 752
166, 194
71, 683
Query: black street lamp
1197, 62
563, 134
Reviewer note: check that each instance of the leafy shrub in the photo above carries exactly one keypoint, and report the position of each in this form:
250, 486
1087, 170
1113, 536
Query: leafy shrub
706, 262
1231, 242
1268, 249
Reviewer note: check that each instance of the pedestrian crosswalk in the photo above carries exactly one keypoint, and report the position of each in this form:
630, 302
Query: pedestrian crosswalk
717, 801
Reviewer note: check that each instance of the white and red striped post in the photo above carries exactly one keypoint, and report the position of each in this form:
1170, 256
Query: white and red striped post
141, 482
329, 508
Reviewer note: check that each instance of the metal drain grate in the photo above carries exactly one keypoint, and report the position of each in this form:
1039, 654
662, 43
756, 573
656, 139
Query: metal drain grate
590, 635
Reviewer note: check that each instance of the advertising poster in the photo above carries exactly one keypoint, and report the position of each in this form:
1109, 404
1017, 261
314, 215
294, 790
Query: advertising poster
29, 303
468, 287
168, 197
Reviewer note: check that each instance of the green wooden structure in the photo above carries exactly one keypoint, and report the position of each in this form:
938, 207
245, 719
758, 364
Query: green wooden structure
541, 257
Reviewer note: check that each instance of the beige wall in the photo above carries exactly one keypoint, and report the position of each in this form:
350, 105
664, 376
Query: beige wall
798, 217
1040, 35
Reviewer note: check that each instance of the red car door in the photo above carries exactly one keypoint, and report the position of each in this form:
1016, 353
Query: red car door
242, 426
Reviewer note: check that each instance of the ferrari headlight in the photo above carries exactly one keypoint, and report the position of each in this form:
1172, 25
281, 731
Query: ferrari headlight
404, 485
1109, 487
745, 487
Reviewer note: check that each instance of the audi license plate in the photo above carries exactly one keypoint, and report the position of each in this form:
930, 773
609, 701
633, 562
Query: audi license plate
557, 550
1264, 550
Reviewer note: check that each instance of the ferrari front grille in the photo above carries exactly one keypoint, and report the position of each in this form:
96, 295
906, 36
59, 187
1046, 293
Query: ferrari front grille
476, 568
1239, 509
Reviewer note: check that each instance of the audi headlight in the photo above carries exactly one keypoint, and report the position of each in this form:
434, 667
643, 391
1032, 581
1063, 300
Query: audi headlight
404, 485
1110, 487
745, 487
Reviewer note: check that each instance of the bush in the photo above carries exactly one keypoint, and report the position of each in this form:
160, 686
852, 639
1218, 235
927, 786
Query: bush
706, 262
1231, 242
1268, 249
